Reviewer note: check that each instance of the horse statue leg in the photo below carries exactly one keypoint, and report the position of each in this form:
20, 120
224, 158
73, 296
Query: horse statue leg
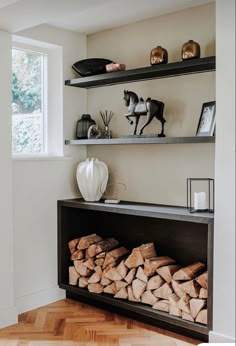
129, 120
137, 117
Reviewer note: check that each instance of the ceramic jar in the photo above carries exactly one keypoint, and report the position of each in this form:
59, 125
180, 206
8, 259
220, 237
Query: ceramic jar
92, 178
159, 55
191, 50
83, 125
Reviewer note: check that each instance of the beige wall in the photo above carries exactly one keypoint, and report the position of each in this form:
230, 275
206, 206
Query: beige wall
39, 183
157, 173
8, 313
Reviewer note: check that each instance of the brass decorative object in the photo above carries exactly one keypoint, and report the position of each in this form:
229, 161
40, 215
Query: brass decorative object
159, 55
191, 50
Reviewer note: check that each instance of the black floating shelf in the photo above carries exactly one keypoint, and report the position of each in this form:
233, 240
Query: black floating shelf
142, 209
141, 140
144, 73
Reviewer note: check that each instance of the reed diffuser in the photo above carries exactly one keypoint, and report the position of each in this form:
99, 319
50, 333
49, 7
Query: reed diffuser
106, 118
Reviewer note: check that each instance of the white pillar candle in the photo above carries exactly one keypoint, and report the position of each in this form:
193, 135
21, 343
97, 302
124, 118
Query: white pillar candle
200, 200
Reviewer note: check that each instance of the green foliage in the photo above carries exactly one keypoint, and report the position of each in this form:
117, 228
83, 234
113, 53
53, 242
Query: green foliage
27, 118
26, 82
27, 134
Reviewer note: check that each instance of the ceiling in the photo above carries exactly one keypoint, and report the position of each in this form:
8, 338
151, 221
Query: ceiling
85, 16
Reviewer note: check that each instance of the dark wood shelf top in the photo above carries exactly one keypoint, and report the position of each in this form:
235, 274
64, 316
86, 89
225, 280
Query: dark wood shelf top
144, 73
142, 209
141, 140
141, 309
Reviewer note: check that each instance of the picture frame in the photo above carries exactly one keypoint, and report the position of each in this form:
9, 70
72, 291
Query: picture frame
206, 123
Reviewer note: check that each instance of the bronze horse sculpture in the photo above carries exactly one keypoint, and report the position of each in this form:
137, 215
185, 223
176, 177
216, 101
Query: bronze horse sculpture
138, 107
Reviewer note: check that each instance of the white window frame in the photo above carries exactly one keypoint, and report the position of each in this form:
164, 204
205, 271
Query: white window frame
53, 97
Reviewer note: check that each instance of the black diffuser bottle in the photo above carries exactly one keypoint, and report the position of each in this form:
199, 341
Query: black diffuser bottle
83, 125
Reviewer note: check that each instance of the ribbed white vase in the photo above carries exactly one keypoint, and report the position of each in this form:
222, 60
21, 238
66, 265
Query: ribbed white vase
92, 178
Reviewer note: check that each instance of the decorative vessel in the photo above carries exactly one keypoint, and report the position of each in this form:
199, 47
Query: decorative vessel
92, 178
83, 125
191, 50
159, 55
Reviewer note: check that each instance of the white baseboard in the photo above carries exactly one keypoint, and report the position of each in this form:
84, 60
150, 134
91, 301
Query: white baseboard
40, 298
219, 338
8, 317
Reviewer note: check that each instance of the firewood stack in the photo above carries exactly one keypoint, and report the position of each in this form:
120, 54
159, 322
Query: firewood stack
102, 265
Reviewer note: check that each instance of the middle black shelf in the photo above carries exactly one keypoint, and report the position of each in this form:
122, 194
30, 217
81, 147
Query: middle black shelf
142, 140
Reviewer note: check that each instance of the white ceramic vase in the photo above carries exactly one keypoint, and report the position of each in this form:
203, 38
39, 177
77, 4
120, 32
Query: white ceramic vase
92, 177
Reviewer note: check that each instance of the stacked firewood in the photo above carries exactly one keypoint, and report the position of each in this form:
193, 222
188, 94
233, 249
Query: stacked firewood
102, 265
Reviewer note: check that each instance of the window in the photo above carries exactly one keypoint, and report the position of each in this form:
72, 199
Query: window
37, 99
29, 112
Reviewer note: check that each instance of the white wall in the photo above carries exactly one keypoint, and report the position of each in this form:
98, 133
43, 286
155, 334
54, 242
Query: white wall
157, 173
38, 184
224, 249
8, 313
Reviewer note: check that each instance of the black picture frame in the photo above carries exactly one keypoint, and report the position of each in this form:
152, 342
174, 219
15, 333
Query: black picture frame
206, 123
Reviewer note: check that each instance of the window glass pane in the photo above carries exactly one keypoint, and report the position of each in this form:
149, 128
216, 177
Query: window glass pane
27, 102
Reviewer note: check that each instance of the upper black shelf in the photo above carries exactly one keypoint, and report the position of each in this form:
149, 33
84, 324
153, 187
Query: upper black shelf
144, 73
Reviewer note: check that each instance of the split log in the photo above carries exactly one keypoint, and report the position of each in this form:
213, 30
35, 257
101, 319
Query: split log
187, 317
120, 284
166, 272
183, 303
101, 255
83, 281
111, 289
148, 298
155, 282
174, 310
140, 275
105, 281
202, 280
77, 263
147, 250
152, 264
77, 255
73, 276
87, 240
99, 261
98, 270
162, 305
163, 292
131, 296
130, 276
94, 278
173, 299
173, 307
138, 287
203, 293
178, 289
196, 305
113, 275
101, 246
73, 245
95, 288
202, 317
191, 288
122, 293
135, 259
189, 272
122, 269
113, 255
89, 263
83, 270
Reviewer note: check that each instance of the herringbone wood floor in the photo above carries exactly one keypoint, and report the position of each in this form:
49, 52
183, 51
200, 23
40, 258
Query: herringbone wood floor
70, 323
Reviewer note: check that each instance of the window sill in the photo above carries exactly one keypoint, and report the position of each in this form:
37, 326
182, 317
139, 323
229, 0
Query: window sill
20, 157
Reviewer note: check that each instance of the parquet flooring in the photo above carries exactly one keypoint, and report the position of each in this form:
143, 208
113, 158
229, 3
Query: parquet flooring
70, 323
